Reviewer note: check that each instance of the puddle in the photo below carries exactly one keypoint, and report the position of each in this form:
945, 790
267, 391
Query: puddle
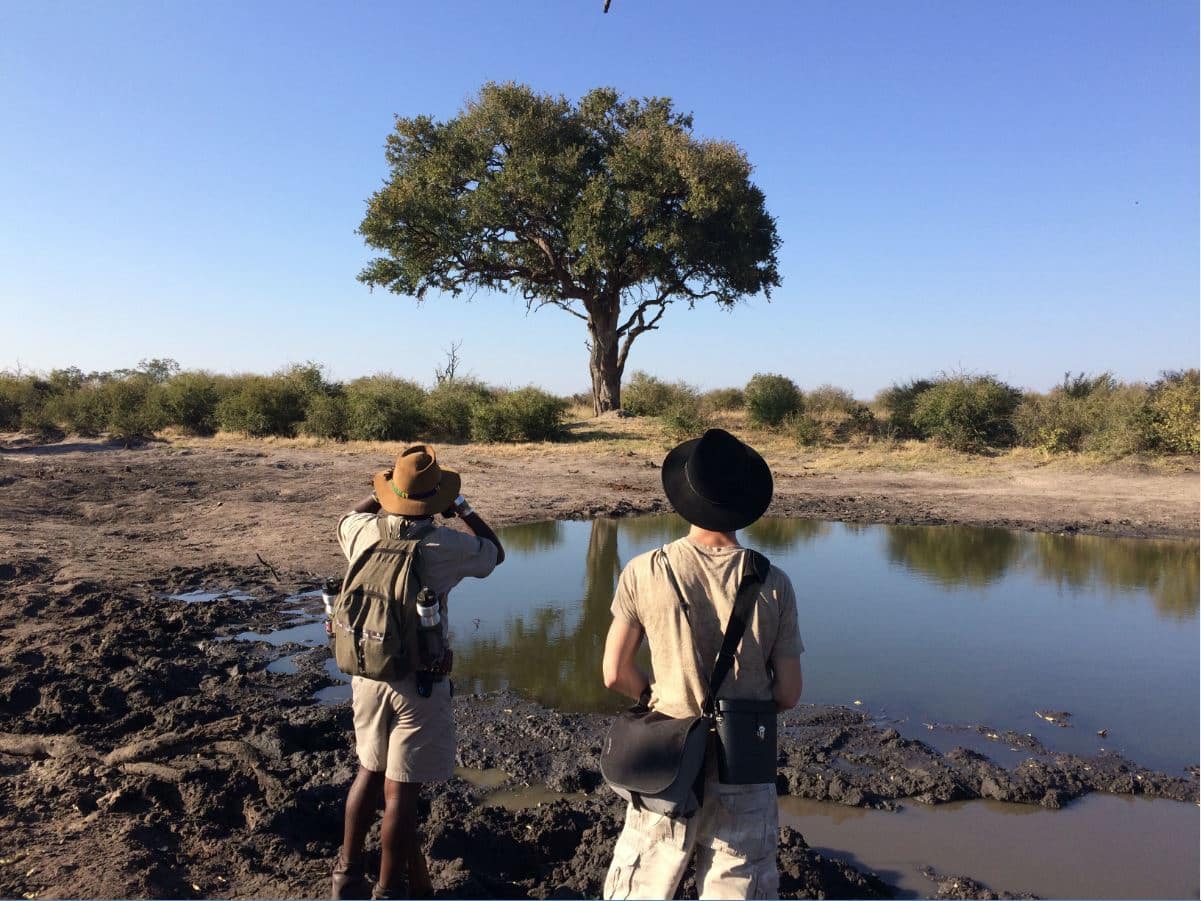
309, 634
529, 796
202, 596
489, 778
1102, 846
285, 665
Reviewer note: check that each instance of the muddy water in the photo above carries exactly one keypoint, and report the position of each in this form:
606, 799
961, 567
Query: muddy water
1102, 846
936, 625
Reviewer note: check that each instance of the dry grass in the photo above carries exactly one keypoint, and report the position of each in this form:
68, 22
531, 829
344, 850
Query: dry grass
611, 434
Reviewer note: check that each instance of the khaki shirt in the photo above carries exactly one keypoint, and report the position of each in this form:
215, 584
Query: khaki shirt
708, 578
447, 556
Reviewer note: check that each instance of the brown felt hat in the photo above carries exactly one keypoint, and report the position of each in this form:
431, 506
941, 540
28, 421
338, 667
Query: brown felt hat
416, 485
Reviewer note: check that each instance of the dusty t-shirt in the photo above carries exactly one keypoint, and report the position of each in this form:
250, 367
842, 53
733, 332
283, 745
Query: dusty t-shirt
447, 556
708, 578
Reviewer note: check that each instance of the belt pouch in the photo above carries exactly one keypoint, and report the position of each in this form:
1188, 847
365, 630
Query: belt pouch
746, 741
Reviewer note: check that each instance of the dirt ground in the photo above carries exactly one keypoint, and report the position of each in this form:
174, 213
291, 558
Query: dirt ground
140, 755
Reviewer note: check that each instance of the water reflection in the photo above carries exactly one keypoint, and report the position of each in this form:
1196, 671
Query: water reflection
542, 653
530, 538
957, 556
1014, 618
954, 556
1167, 570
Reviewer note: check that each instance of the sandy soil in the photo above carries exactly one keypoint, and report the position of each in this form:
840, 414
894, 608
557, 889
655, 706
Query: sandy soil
121, 512
141, 756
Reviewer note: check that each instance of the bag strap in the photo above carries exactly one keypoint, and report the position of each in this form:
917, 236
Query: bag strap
414, 531
754, 574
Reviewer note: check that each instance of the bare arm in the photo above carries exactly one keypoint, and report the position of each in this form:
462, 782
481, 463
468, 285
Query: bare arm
786, 682
621, 673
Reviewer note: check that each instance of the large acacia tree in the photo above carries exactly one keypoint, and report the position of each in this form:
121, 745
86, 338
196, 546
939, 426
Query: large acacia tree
609, 209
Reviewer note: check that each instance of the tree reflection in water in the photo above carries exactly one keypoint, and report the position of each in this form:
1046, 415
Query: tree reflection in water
544, 657
954, 556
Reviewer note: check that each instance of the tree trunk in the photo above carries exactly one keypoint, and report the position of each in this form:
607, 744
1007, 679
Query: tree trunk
606, 374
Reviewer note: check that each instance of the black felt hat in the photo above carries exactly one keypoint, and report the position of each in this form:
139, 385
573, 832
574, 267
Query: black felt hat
717, 482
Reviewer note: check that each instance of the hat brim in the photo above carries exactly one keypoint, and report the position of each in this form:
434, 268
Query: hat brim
751, 503
439, 502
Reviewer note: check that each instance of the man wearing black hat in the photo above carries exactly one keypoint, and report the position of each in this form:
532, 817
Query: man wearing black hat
719, 485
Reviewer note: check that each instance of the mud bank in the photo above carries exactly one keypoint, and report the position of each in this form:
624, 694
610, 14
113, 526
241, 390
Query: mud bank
145, 753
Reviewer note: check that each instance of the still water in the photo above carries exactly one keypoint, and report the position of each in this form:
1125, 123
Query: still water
937, 625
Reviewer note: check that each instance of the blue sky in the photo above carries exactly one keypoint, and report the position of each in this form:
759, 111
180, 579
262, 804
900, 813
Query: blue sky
1005, 187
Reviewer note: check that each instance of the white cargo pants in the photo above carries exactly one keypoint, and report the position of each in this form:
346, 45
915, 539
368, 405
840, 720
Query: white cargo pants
734, 835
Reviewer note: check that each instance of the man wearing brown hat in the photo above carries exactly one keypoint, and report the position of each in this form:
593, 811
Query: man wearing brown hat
404, 729
681, 597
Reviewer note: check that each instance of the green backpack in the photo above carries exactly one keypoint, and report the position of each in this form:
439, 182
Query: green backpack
375, 616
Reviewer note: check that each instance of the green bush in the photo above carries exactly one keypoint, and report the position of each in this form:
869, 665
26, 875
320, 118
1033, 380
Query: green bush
450, 405
18, 394
190, 400
683, 421
770, 399
528, 414
900, 401
325, 416
968, 413
804, 428
384, 408
1171, 414
84, 411
859, 422
645, 395
827, 399
1085, 413
261, 405
721, 400
134, 408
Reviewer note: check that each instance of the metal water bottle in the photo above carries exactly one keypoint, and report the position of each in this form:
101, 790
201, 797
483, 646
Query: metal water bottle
329, 593
429, 629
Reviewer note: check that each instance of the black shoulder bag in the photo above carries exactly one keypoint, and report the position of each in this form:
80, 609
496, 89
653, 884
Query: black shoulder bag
657, 762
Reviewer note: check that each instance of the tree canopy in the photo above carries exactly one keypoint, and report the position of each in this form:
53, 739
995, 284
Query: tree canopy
609, 209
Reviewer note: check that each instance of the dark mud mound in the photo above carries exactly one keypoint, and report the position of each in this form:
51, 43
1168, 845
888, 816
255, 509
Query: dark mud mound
837, 754
965, 887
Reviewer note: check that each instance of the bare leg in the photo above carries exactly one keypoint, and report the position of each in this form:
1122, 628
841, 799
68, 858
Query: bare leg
400, 848
361, 805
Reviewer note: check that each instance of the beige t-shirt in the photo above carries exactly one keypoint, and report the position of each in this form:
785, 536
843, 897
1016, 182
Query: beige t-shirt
708, 578
447, 556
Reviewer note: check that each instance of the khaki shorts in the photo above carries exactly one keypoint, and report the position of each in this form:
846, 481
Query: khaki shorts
734, 836
397, 732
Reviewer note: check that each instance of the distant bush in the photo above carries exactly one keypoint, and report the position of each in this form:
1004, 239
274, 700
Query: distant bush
826, 399
645, 395
84, 411
450, 405
900, 401
1171, 423
804, 428
1084, 413
189, 401
721, 400
135, 409
261, 405
325, 416
770, 399
384, 408
967, 413
684, 420
528, 414
18, 394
